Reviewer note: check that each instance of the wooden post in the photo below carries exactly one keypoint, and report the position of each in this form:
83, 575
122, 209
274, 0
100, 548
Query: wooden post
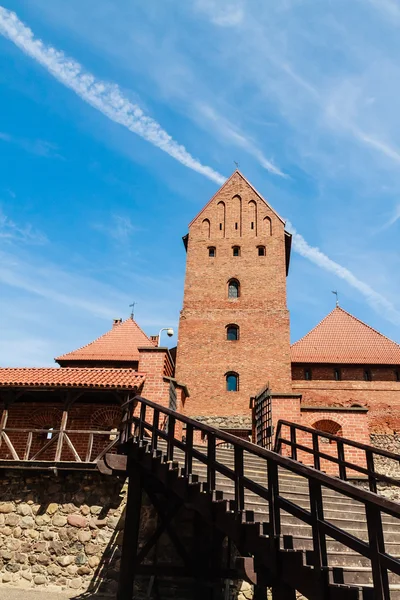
60, 440
3, 422
131, 533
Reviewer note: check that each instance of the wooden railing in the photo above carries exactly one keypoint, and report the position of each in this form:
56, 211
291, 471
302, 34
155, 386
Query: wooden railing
55, 444
292, 439
141, 426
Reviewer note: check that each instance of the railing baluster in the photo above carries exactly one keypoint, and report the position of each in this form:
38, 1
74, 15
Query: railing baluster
371, 470
239, 472
293, 446
319, 538
154, 439
274, 513
189, 450
142, 420
211, 446
315, 444
377, 547
341, 458
170, 440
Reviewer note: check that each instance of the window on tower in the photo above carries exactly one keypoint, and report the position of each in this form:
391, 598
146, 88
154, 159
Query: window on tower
232, 382
261, 250
236, 250
232, 332
211, 251
233, 288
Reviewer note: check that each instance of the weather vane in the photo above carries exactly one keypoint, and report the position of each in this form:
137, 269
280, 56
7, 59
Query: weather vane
132, 306
337, 298
236, 163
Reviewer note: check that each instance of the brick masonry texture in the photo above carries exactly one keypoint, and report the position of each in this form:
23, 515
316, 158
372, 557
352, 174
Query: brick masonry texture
262, 352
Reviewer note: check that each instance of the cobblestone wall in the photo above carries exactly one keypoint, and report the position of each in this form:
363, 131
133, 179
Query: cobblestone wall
60, 531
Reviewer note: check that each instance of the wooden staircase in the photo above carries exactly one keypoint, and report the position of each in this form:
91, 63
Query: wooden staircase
297, 529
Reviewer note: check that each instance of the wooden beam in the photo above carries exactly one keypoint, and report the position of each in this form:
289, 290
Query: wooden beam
60, 440
131, 533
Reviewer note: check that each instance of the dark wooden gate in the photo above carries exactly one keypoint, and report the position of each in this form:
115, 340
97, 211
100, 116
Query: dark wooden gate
262, 419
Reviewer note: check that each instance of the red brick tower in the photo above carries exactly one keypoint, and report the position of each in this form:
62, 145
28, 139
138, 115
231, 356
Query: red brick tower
234, 325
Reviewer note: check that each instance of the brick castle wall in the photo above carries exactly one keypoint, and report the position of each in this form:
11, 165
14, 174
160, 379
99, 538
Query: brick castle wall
235, 216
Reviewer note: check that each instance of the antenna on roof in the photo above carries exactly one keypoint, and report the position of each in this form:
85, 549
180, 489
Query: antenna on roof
337, 298
132, 306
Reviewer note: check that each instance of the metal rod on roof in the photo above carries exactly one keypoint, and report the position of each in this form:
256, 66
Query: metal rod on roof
337, 298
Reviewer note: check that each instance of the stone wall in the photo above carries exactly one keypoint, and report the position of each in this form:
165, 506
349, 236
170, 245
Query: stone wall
60, 531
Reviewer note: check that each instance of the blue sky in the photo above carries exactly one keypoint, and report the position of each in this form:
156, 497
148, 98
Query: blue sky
120, 120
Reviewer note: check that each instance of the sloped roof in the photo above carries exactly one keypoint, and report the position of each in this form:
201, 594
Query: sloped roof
121, 343
237, 172
71, 377
343, 339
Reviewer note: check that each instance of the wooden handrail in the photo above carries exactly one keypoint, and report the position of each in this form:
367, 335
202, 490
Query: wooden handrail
340, 443
136, 429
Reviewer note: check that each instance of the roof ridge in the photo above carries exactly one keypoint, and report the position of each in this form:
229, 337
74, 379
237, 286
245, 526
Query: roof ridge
108, 333
369, 326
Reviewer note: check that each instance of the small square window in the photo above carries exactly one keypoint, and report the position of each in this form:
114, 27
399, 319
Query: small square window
211, 252
236, 250
261, 250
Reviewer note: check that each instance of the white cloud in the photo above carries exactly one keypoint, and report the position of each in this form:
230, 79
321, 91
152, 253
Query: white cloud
224, 13
378, 302
120, 229
233, 134
104, 96
38, 147
11, 232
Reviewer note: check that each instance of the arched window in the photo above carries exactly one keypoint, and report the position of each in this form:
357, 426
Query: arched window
328, 426
267, 226
232, 382
253, 215
221, 217
212, 251
206, 226
232, 332
261, 250
236, 250
233, 288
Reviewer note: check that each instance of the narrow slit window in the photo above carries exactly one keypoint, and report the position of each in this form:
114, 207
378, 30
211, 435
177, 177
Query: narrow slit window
236, 250
220, 226
337, 374
232, 382
367, 375
397, 375
236, 225
252, 225
307, 374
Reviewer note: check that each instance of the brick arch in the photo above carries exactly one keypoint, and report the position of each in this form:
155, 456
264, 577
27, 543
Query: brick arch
45, 417
106, 418
328, 426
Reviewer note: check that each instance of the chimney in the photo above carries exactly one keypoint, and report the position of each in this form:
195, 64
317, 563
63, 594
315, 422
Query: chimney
117, 322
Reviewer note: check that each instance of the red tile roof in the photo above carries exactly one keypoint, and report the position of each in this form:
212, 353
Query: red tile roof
342, 338
67, 377
120, 344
